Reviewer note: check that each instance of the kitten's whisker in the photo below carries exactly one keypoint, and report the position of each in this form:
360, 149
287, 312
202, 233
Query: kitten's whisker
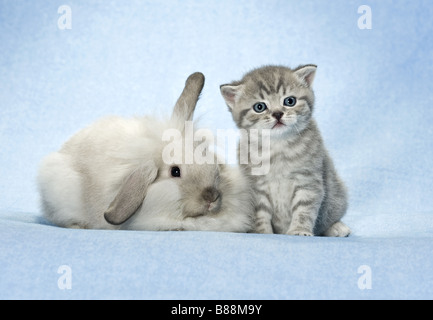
296, 127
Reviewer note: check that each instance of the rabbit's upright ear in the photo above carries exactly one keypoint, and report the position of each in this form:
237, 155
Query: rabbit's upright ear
185, 105
131, 194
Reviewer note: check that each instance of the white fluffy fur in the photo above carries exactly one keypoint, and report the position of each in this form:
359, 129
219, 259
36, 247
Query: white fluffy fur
79, 182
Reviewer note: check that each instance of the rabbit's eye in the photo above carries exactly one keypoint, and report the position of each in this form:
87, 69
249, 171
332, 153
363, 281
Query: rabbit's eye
175, 172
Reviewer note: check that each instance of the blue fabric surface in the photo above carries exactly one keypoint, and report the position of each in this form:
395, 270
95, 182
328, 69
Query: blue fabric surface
373, 106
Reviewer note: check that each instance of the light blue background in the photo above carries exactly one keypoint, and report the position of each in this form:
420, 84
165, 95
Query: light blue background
373, 105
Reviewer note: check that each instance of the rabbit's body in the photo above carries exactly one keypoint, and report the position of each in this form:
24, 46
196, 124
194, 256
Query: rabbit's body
111, 175
79, 182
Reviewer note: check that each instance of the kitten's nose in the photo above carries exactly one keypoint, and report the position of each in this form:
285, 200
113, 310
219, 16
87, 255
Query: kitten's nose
210, 194
278, 115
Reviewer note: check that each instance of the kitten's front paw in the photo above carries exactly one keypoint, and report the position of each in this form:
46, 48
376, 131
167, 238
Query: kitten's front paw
304, 233
265, 228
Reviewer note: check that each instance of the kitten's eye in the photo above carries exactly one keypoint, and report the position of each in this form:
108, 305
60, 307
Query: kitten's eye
290, 101
260, 107
175, 172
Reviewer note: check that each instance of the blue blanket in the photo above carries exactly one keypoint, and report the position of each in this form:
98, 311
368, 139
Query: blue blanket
66, 64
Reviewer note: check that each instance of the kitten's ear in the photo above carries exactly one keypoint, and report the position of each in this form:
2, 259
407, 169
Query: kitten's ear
231, 94
306, 73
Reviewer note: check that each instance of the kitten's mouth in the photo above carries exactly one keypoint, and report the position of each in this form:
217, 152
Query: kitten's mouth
279, 124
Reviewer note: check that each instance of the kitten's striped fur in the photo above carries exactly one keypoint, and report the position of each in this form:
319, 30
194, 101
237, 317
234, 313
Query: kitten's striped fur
302, 193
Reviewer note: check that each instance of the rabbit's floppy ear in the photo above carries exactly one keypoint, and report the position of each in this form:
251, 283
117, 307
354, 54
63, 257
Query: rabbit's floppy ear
131, 194
185, 105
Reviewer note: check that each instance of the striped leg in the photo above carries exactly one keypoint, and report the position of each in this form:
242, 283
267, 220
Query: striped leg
305, 205
263, 213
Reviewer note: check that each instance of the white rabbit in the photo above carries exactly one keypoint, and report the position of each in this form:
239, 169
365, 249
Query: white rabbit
111, 175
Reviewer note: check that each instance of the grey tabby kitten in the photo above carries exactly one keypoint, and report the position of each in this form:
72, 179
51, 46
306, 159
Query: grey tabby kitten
302, 193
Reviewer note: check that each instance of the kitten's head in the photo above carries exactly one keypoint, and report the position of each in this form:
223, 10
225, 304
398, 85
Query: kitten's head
273, 97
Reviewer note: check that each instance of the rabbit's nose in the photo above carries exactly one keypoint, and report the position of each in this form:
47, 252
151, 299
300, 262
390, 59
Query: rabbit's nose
210, 194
